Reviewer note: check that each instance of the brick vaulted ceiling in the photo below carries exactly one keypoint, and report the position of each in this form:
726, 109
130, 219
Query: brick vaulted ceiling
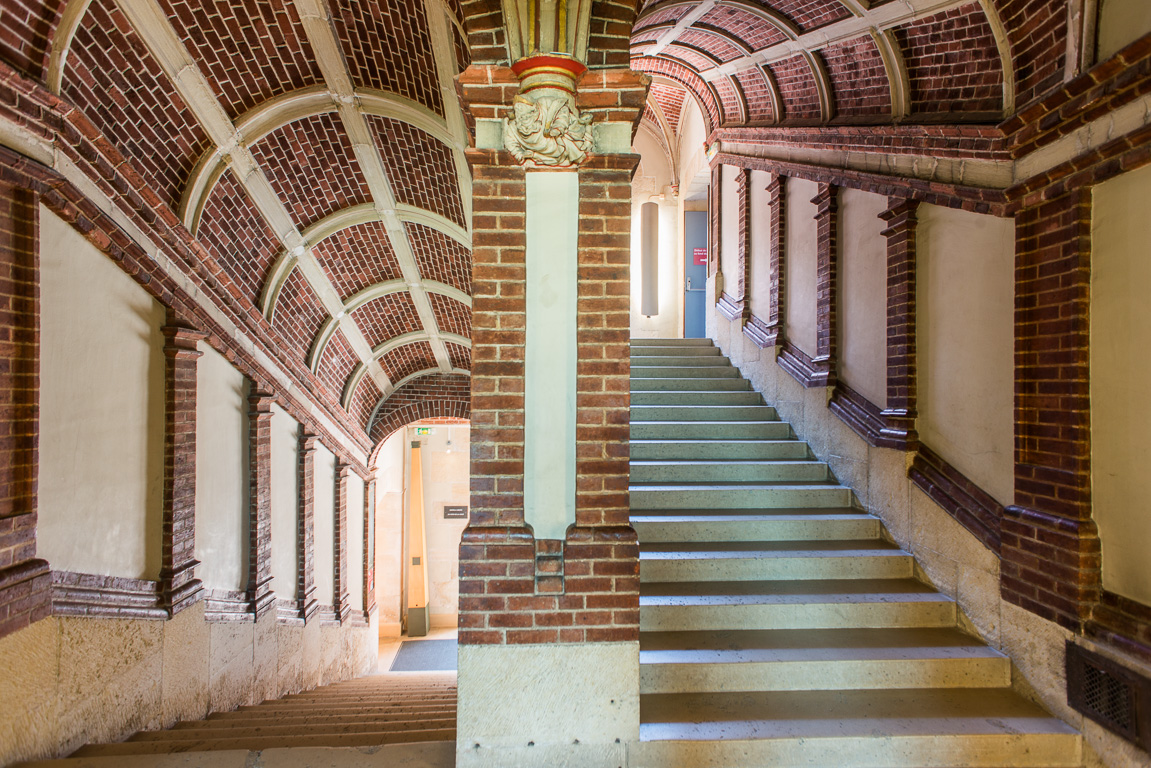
314, 148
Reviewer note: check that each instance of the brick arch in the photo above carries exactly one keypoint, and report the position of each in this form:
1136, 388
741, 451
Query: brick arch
436, 396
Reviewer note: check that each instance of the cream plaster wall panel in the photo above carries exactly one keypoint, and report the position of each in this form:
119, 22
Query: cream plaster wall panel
101, 455
1121, 22
863, 294
221, 472
965, 334
1120, 369
800, 240
694, 172
389, 475
652, 179
446, 483
285, 502
759, 287
729, 226
547, 705
325, 525
356, 491
70, 681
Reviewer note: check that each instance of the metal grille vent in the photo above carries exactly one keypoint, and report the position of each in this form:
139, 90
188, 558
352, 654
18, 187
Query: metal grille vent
1114, 696
1108, 697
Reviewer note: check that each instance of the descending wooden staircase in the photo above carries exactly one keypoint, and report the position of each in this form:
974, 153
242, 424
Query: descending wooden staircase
779, 626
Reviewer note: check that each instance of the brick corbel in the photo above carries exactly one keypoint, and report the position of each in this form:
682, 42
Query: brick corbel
261, 598
306, 604
767, 332
343, 597
179, 586
827, 252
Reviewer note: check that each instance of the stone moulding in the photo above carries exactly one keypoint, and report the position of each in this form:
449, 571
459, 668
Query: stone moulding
970, 505
89, 594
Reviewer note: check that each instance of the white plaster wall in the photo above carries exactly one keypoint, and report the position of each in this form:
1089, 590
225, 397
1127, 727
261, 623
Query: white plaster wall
965, 304
862, 294
759, 289
446, 483
285, 502
101, 453
801, 261
356, 490
1121, 22
729, 227
389, 474
221, 472
1120, 370
325, 525
694, 173
651, 181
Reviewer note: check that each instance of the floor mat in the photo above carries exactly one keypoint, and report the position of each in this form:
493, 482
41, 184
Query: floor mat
425, 656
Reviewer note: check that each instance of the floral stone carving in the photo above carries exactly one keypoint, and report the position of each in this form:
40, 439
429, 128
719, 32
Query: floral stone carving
548, 130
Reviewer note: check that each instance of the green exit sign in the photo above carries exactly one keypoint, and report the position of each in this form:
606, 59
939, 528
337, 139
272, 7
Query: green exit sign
423, 430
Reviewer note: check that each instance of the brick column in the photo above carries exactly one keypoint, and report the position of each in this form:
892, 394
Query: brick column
24, 579
827, 254
768, 331
178, 583
261, 598
306, 528
549, 573
343, 597
902, 378
1050, 546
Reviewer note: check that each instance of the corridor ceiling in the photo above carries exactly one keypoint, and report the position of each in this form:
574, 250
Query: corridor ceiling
315, 148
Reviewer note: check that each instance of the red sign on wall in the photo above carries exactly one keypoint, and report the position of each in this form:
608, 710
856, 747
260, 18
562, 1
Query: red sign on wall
699, 257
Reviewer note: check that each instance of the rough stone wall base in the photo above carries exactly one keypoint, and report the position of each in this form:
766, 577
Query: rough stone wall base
547, 706
71, 681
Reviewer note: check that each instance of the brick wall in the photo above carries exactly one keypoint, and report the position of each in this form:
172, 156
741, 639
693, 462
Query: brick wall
24, 580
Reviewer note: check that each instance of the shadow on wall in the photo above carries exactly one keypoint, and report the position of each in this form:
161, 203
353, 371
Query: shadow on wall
444, 461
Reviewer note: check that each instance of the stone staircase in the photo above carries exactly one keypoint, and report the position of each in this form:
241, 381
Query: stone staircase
406, 719
778, 625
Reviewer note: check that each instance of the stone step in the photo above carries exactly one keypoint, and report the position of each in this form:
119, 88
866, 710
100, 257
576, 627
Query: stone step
672, 471
718, 450
257, 715
770, 560
792, 604
689, 384
341, 726
685, 525
711, 430
966, 728
673, 350
703, 413
683, 372
715, 397
672, 343
420, 754
738, 496
697, 360
254, 742
829, 659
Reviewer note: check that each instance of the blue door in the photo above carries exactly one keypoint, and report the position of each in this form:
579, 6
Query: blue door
694, 273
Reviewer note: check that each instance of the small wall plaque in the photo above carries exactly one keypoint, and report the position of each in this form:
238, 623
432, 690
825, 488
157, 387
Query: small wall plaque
455, 512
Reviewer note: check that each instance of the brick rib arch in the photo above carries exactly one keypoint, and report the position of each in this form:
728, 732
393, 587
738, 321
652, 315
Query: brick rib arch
435, 396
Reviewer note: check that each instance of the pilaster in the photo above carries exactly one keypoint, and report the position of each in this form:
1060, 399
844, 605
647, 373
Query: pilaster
261, 598
343, 597
178, 583
306, 603
768, 331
